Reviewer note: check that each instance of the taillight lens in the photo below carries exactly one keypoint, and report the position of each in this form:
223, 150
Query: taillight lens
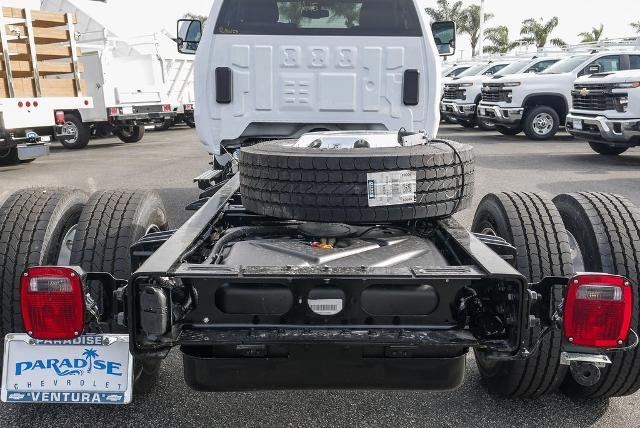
166, 108
59, 117
597, 310
52, 302
113, 111
188, 106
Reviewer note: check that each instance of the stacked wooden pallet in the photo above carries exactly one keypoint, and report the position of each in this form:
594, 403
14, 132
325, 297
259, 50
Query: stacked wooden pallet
39, 56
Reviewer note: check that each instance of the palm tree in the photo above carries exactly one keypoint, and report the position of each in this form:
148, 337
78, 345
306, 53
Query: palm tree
471, 24
447, 12
537, 32
90, 355
499, 38
636, 26
593, 35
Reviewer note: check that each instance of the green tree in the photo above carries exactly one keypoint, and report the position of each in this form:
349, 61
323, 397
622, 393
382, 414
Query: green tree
592, 36
471, 25
447, 11
537, 32
499, 39
201, 18
636, 26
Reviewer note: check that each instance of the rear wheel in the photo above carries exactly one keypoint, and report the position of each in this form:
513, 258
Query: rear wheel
606, 229
607, 150
190, 122
130, 134
533, 225
34, 226
80, 134
541, 123
509, 130
9, 157
166, 124
111, 222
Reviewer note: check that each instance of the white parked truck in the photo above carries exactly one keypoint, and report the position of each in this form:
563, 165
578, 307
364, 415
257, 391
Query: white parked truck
320, 70
538, 104
606, 110
126, 84
463, 94
37, 47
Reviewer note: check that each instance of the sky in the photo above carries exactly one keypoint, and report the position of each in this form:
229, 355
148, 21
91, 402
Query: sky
575, 15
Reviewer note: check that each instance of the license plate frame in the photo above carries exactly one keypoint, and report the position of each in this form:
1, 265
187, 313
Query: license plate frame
62, 377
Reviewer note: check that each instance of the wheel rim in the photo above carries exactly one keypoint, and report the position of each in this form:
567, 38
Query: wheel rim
154, 228
576, 254
127, 131
64, 255
5, 153
543, 123
71, 128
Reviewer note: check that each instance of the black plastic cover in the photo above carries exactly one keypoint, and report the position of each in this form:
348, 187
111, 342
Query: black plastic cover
254, 299
411, 88
224, 85
406, 300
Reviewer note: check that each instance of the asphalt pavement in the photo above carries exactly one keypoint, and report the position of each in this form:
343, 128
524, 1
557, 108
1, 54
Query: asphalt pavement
167, 161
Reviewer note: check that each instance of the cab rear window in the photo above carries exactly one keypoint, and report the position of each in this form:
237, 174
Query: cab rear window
319, 18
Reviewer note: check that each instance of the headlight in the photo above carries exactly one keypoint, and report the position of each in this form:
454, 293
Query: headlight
512, 84
630, 85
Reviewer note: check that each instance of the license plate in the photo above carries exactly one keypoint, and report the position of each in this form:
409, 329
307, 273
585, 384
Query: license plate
127, 110
92, 369
577, 125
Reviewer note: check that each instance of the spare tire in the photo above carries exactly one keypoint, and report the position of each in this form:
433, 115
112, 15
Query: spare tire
280, 179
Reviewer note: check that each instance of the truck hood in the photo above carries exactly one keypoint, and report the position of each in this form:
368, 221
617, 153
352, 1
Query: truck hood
626, 76
527, 78
470, 79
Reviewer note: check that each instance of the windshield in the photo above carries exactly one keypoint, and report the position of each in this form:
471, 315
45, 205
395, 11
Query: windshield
514, 68
566, 65
473, 71
457, 71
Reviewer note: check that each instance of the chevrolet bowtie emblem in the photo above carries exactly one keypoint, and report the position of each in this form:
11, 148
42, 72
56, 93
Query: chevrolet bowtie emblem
584, 92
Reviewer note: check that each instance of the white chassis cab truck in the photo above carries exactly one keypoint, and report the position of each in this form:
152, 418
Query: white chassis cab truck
32, 100
281, 69
538, 104
125, 83
463, 94
606, 110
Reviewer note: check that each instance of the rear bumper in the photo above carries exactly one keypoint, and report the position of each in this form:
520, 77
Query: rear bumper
458, 110
321, 367
497, 114
600, 128
32, 151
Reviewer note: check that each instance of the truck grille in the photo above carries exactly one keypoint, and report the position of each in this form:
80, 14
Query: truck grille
494, 93
454, 92
596, 97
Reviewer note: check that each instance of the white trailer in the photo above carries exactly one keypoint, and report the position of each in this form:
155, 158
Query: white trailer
125, 81
37, 48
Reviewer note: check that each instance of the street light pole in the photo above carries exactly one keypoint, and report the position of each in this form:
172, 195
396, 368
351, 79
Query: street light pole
481, 40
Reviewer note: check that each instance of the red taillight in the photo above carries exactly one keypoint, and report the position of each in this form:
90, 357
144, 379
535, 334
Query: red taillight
59, 117
188, 106
113, 111
35, 104
597, 310
52, 302
28, 103
20, 104
166, 108
86, 102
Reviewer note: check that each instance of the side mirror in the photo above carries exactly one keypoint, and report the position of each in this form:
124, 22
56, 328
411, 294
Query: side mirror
189, 35
594, 68
444, 34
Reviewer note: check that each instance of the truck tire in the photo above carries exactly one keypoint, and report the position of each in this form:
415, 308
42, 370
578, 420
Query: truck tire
607, 150
331, 185
541, 123
533, 225
606, 229
81, 134
33, 226
509, 130
9, 157
111, 222
130, 134
449, 119
191, 123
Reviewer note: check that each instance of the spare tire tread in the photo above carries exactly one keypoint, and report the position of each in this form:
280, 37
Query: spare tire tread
279, 180
616, 226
